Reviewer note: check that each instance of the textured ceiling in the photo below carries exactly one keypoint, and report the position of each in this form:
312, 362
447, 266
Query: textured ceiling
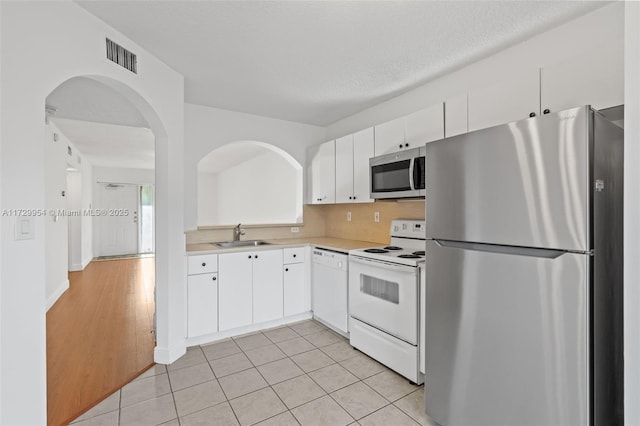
317, 62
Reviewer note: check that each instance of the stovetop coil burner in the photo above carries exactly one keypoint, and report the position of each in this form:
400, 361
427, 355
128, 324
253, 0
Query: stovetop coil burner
409, 256
418, 253
375, 250
393, 248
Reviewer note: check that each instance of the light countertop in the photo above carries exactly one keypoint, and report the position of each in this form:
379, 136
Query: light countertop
337, 244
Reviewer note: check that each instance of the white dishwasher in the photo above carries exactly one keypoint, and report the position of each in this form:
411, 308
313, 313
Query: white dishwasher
330, 286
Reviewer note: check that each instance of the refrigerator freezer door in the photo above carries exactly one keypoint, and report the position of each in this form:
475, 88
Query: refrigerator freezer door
506, 336
524, 183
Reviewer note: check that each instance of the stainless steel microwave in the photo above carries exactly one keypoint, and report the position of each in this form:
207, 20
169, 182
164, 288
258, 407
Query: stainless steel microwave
398, 175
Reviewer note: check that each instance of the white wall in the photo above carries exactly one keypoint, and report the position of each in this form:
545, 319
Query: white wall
208, 198
209, 128
44, 44
631, 214
55, 226
74, 204
262, 190
114, 175
602, 28
56, 223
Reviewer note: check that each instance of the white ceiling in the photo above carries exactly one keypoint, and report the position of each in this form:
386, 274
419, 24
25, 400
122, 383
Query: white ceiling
319, 61
109, 145
85, 99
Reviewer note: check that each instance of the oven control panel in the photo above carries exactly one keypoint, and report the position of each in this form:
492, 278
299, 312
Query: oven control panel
409, 228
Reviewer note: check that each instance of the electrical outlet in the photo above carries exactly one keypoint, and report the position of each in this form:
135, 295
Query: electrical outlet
376, 217
348, 216
295, 229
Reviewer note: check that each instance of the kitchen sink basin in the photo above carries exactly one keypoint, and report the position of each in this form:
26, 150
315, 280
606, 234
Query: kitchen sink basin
245, 243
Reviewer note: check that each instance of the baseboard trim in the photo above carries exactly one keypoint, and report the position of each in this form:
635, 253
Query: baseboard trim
87, 261
57, 293
163, 355
210, 338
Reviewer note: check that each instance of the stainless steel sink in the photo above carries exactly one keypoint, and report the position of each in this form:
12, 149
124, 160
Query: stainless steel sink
245, 243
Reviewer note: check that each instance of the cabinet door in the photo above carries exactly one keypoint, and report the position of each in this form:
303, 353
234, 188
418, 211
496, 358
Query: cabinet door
389, 136
362, 151
594, 77
267, 286
295, 289
510, 100
235, 292
344, 169
202, 304
322, 173
424, 126
455, 116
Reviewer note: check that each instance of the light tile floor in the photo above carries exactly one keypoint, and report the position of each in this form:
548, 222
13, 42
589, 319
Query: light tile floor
301, 374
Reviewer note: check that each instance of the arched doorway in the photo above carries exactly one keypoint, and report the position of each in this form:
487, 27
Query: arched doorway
92, 347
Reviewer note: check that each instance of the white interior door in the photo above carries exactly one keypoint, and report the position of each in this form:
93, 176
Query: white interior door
118, 219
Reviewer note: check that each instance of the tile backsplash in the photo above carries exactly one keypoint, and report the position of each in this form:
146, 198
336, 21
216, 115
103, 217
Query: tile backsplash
328, 220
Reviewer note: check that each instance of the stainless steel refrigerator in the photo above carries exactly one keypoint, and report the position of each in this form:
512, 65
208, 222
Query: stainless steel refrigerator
524, 273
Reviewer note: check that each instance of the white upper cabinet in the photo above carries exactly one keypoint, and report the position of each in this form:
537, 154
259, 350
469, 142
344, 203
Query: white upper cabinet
424, 126
322, 173
455, 116
594, 77
410, 131
363, 149
344, 169
389, 136
352, 167
510, 100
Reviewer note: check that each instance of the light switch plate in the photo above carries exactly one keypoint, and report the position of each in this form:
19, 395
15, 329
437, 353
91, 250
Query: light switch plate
24, 228
376, 217
295, 229
348, 216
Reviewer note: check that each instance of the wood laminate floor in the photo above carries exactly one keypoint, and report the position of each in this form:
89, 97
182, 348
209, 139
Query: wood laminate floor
99, 335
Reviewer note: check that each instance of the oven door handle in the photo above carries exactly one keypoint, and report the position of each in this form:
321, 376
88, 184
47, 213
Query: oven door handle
381, 264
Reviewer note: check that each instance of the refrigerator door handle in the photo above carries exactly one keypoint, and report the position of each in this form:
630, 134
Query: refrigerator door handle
495, 248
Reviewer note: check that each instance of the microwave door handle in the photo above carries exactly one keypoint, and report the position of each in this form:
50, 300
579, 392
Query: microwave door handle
412, 164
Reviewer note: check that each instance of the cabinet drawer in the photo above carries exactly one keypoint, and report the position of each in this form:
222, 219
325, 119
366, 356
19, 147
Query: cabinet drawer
202, 264
294, 255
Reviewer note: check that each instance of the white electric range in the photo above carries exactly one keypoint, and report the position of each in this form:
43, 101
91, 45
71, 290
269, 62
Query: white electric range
384, 296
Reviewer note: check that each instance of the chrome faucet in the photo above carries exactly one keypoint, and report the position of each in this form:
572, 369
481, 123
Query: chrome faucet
237, 231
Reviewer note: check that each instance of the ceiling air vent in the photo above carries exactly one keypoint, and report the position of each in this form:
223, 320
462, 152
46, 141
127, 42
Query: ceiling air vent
122, 56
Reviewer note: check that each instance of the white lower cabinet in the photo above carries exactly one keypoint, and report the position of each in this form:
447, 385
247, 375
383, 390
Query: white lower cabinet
246, 288
297, 289
202, 302
250, 288
267, 286
235, 307
202, 295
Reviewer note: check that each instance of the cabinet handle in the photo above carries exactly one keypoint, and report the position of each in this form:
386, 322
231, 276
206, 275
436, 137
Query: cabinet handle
546, 111
204, 263
354, 197
294, 255
286, 269
249, 256
533, 114
406, 144
256, 256
214, 278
